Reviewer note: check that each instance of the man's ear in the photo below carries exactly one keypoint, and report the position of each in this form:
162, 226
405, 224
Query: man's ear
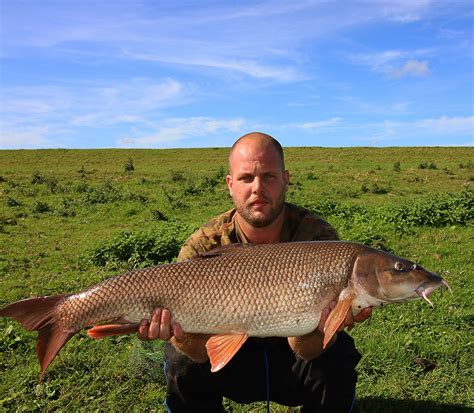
228, 180
286, 179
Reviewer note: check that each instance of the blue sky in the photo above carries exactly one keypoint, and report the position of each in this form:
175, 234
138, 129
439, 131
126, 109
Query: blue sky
162, 74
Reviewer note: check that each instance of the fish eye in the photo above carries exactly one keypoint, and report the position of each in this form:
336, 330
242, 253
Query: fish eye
399, 266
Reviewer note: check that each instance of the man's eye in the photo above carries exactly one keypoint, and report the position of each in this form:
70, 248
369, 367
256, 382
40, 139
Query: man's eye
246, 178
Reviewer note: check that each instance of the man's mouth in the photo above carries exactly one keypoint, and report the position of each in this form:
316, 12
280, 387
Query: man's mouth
258, 203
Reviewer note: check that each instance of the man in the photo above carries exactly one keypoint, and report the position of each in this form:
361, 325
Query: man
291, 371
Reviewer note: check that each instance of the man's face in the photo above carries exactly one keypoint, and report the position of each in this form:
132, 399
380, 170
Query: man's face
257, 183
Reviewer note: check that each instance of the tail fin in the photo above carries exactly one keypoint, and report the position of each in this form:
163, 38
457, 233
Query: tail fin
38, 314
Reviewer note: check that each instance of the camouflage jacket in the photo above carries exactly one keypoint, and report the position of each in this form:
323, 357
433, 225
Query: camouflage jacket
299, 225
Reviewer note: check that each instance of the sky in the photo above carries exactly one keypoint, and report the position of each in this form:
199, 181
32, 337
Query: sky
201, 73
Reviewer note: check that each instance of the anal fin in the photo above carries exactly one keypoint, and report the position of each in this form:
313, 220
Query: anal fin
221, 348
105, 330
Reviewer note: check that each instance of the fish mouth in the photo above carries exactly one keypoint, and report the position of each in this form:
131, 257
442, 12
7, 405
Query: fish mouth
426, 289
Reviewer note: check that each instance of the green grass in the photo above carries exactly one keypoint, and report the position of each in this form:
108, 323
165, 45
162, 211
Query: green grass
69, 218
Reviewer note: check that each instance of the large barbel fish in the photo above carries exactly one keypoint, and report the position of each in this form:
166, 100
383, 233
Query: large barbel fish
232, 292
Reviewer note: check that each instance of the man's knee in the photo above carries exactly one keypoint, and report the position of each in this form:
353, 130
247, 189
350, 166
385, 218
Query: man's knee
190, 386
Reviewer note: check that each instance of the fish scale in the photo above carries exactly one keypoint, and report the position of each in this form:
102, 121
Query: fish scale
243, 290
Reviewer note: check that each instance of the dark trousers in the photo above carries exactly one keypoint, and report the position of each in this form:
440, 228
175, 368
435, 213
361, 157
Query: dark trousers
265, 369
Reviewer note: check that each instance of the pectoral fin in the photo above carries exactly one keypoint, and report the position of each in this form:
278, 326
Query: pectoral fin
338, 315
222, 348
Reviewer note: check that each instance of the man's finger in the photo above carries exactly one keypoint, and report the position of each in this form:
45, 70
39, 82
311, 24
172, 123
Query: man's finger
177, 331
323, 318
143, 330
363, 315
165, 327
154, 330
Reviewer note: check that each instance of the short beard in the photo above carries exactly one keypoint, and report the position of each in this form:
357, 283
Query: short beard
261, 221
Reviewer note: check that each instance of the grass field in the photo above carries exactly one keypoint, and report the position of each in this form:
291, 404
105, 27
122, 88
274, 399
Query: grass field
69, 218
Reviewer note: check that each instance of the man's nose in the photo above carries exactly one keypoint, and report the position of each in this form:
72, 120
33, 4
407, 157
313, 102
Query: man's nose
257, 187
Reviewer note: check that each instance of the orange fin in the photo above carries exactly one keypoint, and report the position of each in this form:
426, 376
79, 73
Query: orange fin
223, 347
51, 339
104, 330
39, 314
337, 316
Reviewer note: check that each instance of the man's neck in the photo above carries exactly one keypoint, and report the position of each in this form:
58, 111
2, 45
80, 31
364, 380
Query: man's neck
265, 235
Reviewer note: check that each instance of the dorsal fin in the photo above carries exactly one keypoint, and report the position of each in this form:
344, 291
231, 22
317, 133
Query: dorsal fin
222, 250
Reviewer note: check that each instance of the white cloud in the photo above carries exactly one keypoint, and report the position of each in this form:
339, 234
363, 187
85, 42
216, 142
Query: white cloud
126, 102
30, 138
171, 131
251, 68
411, 68
448, 125
422, 131
321, 124
89, 104
404, 11
224, 36
395, 63
42, 116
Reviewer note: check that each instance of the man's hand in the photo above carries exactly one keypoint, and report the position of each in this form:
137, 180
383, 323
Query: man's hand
160, 326
310, 346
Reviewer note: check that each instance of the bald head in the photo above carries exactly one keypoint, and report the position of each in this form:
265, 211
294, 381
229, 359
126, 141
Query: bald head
258, 140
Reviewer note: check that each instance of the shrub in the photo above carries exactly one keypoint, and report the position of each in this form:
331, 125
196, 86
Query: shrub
11, 202
37, 178
142, 198
52, 183
82, 172
368, 234
82, 187
128, 166
141, 249
221, 173
427, 165
65, 208
157, 215
191, 189
41, 207
434, 211
469, 165
175, 202
375, 189
4, 221
103, 194
177, 176
209, 182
